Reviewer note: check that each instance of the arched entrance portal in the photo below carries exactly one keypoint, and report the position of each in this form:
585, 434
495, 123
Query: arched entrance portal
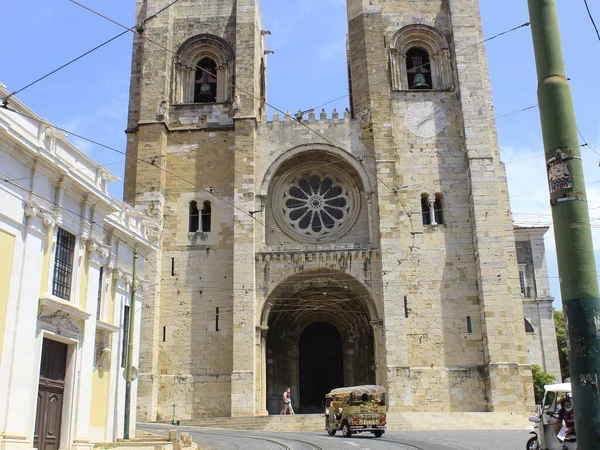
320, 336
321, 363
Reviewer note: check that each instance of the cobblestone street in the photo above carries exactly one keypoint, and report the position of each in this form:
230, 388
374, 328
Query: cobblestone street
219, 439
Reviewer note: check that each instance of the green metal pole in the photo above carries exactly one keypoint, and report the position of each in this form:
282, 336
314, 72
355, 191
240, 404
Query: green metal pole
130, 341
576, 264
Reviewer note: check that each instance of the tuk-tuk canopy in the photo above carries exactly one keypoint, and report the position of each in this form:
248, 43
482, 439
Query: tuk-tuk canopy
560, 387
358, 391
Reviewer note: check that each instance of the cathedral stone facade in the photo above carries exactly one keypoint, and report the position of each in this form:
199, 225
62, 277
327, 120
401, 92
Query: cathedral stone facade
318, 250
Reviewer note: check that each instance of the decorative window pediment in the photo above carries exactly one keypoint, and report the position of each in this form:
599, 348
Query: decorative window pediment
420, 59
203, 71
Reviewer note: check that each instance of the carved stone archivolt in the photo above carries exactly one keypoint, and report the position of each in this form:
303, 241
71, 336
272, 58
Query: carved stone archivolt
34, 209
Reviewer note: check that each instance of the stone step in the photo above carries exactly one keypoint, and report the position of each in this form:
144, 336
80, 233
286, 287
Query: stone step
298, 422
397, 421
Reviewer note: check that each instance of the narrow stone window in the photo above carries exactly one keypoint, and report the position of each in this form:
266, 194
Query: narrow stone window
438, 214
164, 334
194, 217
205, 89
217, 319
206, 213
525, 291
418, 68
172, 267
469, 326
425, 210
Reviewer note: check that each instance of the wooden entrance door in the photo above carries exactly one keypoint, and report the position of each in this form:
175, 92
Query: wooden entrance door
50, 395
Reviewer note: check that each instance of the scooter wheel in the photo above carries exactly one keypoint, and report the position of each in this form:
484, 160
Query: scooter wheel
532, 444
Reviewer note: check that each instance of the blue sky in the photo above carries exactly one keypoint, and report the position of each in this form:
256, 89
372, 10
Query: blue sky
90, 97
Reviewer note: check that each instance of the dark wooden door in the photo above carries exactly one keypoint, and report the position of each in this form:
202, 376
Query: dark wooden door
50, 395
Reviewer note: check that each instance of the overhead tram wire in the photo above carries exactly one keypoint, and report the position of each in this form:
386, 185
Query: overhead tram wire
7, 98
523, 25
197, 67
591, 18
138, 31
393, 190
585, 143
95, 225
142, 161
132, 29
92, 141
526, 24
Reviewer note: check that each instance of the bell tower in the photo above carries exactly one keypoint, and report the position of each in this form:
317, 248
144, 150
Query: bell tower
375, 248
196, 99
421, 93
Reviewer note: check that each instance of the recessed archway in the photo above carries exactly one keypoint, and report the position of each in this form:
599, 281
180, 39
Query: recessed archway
320, 336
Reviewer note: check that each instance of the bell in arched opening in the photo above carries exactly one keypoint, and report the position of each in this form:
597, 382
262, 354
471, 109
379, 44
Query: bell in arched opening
418, 68
205, 90
419, 82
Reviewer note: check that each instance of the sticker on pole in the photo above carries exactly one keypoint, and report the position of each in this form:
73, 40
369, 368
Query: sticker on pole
134, 373
559, 175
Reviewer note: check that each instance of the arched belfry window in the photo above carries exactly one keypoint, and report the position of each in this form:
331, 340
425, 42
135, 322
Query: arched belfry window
425, 210
420, 59
418, 68
432, 211
205, 89
194, 217
205, 216
203, 69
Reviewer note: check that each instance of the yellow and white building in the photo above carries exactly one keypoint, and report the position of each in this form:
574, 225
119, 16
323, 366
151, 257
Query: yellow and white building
66, 276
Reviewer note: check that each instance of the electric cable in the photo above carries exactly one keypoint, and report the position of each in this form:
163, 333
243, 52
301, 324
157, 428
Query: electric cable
207, 190
591, 18
7, 98
73, 214
139, 29
585, 143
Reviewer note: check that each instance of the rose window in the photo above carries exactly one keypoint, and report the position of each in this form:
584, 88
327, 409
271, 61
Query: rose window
315, 204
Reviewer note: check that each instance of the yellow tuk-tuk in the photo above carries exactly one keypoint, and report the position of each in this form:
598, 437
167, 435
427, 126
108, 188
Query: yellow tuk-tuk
356, 409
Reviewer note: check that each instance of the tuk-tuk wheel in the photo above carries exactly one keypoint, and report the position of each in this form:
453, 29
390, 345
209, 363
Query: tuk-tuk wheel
330, 432
532, 444
378, 433
346, 430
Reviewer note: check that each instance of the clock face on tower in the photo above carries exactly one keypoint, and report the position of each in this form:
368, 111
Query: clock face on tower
425, 119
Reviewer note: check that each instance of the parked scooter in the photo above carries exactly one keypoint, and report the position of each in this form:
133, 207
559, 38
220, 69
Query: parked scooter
545, 429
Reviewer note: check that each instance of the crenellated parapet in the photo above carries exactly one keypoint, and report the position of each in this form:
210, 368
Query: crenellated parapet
308, 117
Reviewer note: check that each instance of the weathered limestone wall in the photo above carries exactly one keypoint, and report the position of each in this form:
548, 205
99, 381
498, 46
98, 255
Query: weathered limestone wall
441, 300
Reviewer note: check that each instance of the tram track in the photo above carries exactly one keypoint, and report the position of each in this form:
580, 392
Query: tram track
269, 439
442, 445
